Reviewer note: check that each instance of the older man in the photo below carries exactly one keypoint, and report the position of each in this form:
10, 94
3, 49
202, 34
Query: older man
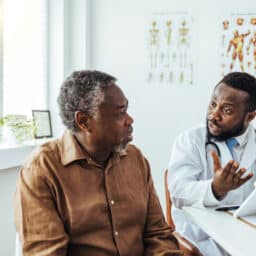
90, 192
229, 136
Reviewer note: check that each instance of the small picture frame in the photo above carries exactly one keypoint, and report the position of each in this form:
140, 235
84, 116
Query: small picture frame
43, 124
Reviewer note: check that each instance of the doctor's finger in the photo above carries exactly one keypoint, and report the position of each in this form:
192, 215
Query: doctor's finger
237, 176
245, 179
216, 161
229, 170
233, 168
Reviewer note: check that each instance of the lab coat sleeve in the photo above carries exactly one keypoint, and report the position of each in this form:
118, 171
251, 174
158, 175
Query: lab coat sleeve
188, 184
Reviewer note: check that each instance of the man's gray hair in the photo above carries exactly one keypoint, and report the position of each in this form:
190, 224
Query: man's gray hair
82, 91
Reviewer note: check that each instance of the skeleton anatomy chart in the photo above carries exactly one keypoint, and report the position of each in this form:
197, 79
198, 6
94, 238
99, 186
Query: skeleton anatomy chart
238, 44
170, 48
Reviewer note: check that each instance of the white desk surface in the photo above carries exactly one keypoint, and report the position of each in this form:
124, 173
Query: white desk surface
235, 236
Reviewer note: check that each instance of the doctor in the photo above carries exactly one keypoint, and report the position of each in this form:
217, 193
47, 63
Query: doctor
215, 164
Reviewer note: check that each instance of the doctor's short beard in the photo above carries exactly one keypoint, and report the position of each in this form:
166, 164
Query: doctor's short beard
235, 131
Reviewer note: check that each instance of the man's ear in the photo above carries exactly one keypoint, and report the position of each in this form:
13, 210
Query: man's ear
251, 116
81, 120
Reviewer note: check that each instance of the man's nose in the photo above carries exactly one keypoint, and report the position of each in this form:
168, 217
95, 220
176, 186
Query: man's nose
129, 119
215, 114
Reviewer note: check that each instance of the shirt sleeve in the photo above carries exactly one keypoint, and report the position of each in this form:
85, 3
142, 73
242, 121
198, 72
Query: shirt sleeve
158, 238
189, 183
37, 221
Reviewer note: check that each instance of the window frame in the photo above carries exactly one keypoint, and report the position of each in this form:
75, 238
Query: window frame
1, 60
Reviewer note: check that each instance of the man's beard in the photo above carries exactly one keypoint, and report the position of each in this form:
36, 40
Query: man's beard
120, 148
237, 130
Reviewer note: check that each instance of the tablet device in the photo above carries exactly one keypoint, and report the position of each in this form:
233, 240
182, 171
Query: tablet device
248, 207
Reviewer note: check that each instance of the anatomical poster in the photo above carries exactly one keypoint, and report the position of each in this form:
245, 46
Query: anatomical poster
238, 43
170, 46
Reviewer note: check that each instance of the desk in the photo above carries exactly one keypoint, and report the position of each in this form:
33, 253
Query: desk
235, 236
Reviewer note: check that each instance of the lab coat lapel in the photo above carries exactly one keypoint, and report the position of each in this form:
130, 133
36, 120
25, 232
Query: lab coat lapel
249, 153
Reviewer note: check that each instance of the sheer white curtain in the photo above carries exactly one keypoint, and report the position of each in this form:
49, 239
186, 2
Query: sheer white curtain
24, 56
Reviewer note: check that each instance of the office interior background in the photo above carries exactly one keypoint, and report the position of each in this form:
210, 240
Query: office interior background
111, 36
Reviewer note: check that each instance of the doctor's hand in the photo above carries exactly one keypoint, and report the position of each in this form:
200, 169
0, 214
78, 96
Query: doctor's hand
228, 177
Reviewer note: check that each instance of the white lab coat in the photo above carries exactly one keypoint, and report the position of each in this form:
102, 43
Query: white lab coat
190, 173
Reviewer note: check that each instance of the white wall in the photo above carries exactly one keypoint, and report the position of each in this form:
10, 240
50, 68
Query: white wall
119, 32
8, 179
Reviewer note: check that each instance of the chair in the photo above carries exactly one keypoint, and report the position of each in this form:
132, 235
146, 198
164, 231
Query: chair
185, 246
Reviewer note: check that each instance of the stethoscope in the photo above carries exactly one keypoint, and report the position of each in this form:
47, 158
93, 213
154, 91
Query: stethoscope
212, 144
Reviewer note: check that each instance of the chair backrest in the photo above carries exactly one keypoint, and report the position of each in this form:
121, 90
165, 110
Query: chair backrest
185, 246
168, 201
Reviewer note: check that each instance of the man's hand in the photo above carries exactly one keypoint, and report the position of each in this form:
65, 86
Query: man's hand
227, 178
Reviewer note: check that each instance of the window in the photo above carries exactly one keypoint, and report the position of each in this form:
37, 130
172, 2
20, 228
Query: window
24, 57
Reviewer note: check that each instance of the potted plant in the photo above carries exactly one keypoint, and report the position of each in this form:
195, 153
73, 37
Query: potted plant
22, 128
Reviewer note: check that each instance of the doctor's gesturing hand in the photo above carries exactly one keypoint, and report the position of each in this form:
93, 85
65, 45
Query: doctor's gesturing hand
228, 177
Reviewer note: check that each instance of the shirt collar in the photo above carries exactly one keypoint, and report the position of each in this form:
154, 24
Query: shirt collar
72, 151
243, 138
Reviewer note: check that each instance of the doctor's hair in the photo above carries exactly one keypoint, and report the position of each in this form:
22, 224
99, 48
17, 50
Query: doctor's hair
82, 91
244, 82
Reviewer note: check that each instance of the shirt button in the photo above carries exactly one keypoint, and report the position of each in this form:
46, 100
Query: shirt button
112, 202
116, 233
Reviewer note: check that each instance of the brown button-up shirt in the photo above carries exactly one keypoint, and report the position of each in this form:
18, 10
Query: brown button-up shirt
65, 204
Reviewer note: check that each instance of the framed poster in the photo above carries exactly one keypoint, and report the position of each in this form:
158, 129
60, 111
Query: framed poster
42, 121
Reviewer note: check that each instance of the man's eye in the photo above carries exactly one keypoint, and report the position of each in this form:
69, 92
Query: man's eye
213, 104
122, 113
226, 110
